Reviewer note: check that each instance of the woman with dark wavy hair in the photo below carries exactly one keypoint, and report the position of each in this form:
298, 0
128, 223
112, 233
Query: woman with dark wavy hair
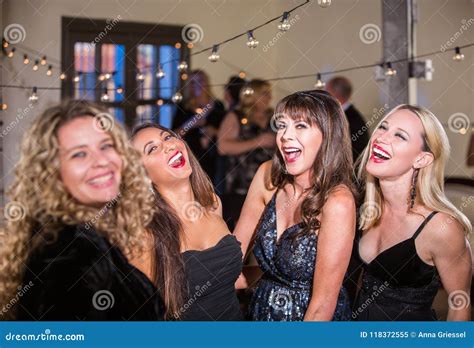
195, 260
76, 223
301, 208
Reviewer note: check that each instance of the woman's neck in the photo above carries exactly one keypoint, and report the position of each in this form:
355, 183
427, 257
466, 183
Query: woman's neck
395, 194
178, 194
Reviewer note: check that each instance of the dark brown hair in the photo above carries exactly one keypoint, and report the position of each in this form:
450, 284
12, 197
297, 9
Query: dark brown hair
333, 164
166, 227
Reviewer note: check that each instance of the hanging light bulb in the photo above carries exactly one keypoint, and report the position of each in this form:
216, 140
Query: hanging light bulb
177, 98
26, 60
5, 43
160, 73
182, 66
251, 42
50, 70
140, 76
105, 96
11, 53
107, 76
389, 71
35, 66
4, 106
247, 91
62, 76
214, 57
119, 90
77, 77
324, 3
43, 60
319, 83
285, 23
101, 77
458, 56
34, 96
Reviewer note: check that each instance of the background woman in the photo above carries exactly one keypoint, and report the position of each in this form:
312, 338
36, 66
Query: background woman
197, 260
302, 210
81, 203
413, 237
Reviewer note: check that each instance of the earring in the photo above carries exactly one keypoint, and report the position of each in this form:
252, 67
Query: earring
413, 188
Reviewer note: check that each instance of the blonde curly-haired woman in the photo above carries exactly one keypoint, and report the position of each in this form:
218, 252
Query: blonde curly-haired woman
84, 203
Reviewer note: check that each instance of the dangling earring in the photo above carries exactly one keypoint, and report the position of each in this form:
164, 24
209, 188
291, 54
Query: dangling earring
413, 188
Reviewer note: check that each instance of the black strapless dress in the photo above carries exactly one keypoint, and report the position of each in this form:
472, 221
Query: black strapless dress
211, 275
398, 285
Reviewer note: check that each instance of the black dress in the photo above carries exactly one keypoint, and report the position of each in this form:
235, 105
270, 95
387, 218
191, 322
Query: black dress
398, 285
211, 275
81, 276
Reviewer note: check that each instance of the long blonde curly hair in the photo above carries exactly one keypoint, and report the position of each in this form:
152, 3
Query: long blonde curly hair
40, 205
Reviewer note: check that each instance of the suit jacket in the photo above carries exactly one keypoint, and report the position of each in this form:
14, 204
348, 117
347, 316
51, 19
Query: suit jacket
359, 131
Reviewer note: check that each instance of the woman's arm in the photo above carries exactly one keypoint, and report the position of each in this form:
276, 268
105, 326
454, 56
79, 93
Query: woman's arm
335, 240
252, 210
228, 142
452, 257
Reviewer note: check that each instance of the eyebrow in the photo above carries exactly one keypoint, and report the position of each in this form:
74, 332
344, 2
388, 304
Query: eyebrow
400, 129
84, 145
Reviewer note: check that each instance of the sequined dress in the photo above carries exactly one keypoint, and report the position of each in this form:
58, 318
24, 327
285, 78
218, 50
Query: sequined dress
284, 291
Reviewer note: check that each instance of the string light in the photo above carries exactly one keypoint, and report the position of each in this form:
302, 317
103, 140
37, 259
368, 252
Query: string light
319, 83
62, 76
50, 70
182, 66
160, 73
247, 91
242, 74
324, 3
43, 60
107, 76
389, 71
77, 77
177, 98
251, 42
35, 66
26, 60
458, 56
4, 106
159, 102
105, 96
11, 53
5, 43
285, 23
140, 76
214, 57
119, 90
34, 96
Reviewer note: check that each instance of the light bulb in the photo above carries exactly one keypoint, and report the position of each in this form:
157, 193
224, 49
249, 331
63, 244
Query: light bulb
35, 66
183, 66
458, 56
319, 83
389, 71
62, 76
324, 3
105, 96
248, 91
177, 98
43, 60
11, 53
160, 73
34, 96
26, 60
50, 70
251, 42
285, 23
214, 57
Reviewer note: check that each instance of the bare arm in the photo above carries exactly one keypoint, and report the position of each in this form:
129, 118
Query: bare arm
452, 257
228, 142
251, 212
335, 240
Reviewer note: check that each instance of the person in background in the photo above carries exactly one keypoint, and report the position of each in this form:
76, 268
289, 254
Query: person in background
80, 203
232, 98
247, 140
414, 239
341, 88
198, 118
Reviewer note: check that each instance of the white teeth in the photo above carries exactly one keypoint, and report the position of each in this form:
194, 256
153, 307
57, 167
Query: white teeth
101, 179
380, 153
175, 158
292, 150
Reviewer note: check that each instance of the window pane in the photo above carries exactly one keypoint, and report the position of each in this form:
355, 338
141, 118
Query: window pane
169, 83
167, 112
147, 113
146, 71
113, 63
84, 65
119, 114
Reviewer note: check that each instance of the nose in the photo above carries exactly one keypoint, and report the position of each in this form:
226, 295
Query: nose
169, 146
288, 133
100, 159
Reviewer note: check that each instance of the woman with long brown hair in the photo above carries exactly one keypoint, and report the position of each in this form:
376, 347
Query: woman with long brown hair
196, 259
300, 210
76, 222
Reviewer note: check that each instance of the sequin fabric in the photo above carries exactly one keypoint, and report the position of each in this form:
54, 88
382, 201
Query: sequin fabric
284, 291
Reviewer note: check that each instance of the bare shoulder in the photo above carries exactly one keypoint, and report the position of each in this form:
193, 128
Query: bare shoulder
340, 201
262, 181
446, 234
